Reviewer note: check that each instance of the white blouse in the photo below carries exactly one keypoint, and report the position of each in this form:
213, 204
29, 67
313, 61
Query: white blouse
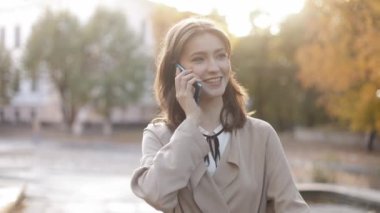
223, 138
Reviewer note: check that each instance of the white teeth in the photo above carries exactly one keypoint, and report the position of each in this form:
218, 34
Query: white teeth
213, 80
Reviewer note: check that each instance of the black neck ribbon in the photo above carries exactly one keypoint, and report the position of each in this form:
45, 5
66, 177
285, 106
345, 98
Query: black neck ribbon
213, 142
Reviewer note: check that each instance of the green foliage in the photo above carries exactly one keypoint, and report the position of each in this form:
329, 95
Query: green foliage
101, 63
5, 75
266, 66
115, 60
268, 82
54, 47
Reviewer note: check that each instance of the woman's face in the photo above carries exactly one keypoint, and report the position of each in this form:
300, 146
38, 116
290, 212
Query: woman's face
206, 55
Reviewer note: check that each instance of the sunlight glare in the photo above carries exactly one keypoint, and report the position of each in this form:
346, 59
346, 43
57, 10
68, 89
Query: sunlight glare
238, 25
274, 30
279, 10
197, 6
237, 12
263, 21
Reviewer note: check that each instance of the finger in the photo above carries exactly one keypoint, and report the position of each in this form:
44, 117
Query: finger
188, 80
186, 89
180, 74
178, 77
179, 71
190, 83
181, 81
184, 71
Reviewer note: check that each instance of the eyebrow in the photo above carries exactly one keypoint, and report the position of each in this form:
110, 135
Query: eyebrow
204, 52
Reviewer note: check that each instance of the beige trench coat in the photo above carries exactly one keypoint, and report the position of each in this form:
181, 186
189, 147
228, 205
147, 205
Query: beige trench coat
252, 172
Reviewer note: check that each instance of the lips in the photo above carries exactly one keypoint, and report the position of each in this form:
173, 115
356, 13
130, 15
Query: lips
213, 81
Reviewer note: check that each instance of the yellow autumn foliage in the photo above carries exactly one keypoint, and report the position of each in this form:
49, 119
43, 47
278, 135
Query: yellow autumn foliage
340, 57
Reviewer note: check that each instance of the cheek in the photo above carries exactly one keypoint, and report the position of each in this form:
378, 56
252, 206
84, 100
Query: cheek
227, 68
199, 70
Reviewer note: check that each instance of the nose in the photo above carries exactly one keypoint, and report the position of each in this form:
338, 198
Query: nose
213, 65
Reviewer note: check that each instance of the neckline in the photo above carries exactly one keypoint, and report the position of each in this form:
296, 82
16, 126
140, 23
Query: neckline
216, 130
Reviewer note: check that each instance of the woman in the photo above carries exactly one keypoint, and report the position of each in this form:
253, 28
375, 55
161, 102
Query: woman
209, 156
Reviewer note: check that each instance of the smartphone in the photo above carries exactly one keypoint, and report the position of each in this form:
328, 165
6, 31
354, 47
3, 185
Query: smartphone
197, 85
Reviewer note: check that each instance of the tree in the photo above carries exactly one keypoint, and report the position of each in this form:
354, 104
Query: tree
5, 75
54, 48
286, 43
116, 60
270, 84
265, 64
340, 57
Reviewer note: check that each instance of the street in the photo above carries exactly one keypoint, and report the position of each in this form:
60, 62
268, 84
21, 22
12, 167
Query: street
93, 174
72, 177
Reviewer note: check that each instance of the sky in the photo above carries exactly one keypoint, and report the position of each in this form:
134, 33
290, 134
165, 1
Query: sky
237, 11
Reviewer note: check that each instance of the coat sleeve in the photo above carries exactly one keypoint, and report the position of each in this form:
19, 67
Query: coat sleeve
281, 188
165, 169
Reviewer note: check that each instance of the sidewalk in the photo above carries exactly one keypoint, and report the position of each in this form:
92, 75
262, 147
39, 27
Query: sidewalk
71, 177
15, 161
60, 174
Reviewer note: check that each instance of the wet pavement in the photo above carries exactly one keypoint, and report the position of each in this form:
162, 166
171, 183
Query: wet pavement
72, 177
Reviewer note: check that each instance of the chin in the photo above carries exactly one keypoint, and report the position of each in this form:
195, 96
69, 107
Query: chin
213, 94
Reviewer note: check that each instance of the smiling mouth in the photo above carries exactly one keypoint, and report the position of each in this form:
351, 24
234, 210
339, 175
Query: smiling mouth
213, 80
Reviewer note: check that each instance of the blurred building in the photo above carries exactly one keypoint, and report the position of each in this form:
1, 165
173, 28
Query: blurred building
41, 100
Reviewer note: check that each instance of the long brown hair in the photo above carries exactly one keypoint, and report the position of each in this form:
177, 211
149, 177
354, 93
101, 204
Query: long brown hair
233, 114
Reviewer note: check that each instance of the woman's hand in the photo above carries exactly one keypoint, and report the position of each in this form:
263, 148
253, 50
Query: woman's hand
185, 93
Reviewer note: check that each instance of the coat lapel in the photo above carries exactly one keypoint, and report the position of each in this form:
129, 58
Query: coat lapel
229, 165
208, 197
208, 190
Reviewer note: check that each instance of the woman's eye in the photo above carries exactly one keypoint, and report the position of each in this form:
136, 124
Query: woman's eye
222, 55
197, 59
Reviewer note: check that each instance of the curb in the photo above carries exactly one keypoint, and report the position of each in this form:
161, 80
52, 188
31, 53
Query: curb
325, 193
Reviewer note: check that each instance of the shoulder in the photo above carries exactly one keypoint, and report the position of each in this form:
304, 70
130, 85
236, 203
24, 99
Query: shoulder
159, 130
256, 130
257, 125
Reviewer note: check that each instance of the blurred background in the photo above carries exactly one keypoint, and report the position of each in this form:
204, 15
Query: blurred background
76, 92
